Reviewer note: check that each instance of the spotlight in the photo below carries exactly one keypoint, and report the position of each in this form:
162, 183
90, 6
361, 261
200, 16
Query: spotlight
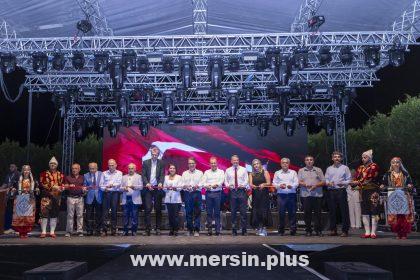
154, 121
263, 126
78, 130
234, 64
128, 60
248, 91
329, 126
39, 62
342, 97
261, 63
318, 121
253, 120
283, 70
118, 73
90, 122
127, 122
101, 62
346, 55
289, 125
276, 119
186, 71
168, 103
215, 72
84, 25
180, 94
300, 57
144, 127
272, 55
8, 62
58, 61
284, 103
143, 64
122, 103
315, 22
78, 60
396, 56
372, 56
324, 55
101, 124
112, 129
168, 64
101, 93
232, 104
217, 94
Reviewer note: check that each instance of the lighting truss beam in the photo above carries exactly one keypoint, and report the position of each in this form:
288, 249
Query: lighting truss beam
340, 136
306, 11
6, 33
200, 17
92, 10
68, 140
409, 20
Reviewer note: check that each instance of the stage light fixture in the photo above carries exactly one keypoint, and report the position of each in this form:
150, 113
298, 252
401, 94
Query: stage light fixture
318, 121
127, 122
84, 25
78, 60
315, 22
78, 129
8, 62
39, 62
168, 103
239, 120
346, 55
215, 72
302, 120
112, 129
232, 103
101, 63
58, 61
263, 126
306, 91
118, 73
276, 119
248, 92
144, 127
216, 94
289, 125
300, 57
342, 97
154, 120
186, 71
143, 64
123, 104
168, 64
128, 59
253, 120
234, 64
261, 63
324, 55
329, 126
372, 56
396, 56
90, 122
283, 70
272, 91
272, 54
102, 93
284, 103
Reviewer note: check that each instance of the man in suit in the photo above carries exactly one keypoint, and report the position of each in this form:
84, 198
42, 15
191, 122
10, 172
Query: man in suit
153, 177
93, 200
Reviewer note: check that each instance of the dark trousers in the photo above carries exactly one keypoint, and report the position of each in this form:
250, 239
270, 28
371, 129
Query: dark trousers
213, 209
312, 204
338, 198
287, 202
9, 214
152, 199
109, 210
238, 202
131, 213
193, 210
173, 215
94, 216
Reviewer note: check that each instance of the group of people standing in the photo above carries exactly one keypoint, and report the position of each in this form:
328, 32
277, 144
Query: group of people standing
356, 197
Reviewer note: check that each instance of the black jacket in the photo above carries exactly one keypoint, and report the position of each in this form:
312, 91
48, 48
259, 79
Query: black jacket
147, 170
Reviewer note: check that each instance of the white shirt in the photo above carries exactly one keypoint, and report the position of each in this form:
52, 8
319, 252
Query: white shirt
136, 184
191, 178
242, 175
212, 178
289, 178
173, 196
339, 175
153, 180
113, 179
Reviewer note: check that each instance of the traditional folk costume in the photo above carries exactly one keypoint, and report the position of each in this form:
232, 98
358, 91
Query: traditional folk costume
366, 178
400, 212
51, 184
24, 205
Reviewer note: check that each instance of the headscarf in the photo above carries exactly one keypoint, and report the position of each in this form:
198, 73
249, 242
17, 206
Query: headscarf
402, 168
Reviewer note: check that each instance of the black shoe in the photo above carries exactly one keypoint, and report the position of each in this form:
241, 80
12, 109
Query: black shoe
134, 233
125, 233
157, 231
113, 232
234, 232
293, 232
244, 233
218, 233
210, 232
171, 233
333, 233
175, 233
147, 232
281, 233
89, 233
319, 233
308, 234
103, 234
98, 233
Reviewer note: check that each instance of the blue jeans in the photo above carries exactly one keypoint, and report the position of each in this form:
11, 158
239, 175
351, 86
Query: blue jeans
193, 210
287, 202
213, 209
130, 212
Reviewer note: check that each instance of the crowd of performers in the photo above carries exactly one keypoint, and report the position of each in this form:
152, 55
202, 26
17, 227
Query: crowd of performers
356, 197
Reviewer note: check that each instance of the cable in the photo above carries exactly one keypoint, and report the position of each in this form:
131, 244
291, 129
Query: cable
51, 126
6, 92
361, 108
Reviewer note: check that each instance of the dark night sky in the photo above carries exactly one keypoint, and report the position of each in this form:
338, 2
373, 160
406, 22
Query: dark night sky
394, 84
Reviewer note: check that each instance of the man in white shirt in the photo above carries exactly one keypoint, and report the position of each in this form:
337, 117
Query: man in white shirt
110, 185
192, 195
131, 186
286, 181
236, 179
212, 181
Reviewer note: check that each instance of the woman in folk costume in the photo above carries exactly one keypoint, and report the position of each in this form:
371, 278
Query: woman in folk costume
24, 206
365, 178
51, 186
400, 204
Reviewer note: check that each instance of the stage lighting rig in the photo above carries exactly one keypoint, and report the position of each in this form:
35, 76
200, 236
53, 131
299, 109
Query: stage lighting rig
127, 122
232, 103
302, 120
143, 64
289, 125
253, 120
261, 63
396, 56
39, 62
248, 92
78, 129
250, 56
101, 63
78, 60
315, 22
342, 97
168, 103
180, 94
90, 122
283, 69
102, 93
154, 57
84, 25
8, 62
186, 71
58, 61
372, 56
112, 129
144, 127
168, 64
215, 72
272, 54
276, 119
128, 60
329, 126
263, 126
324, 55
118, 73
346, 55
284, 103
300, 57
234, 64
306, 91
122, 101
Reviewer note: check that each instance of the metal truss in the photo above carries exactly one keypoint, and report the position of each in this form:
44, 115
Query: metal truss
92, 10
409, 19
199, 17
306, 11
6, 33
68, 140
340, 136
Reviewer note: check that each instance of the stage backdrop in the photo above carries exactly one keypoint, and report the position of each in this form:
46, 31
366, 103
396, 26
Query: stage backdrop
178, 142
